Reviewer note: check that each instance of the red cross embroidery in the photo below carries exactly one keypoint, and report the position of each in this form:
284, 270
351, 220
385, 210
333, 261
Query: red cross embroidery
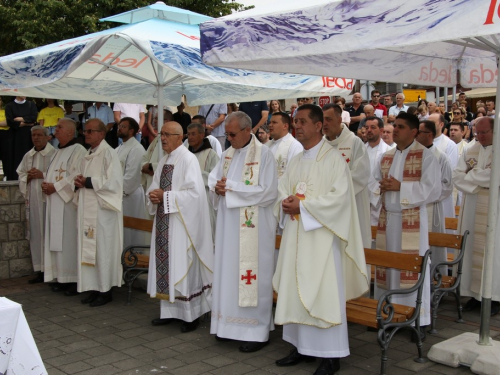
248, 277
347, 160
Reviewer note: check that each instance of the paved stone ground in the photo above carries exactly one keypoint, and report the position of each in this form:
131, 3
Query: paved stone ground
118, 339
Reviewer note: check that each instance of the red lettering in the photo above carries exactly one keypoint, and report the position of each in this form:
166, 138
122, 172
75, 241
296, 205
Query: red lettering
491, 12
96, 57
140, 62
482, 75
431, 71
432, 74
126, 63
192, 37
328, 82
442, 73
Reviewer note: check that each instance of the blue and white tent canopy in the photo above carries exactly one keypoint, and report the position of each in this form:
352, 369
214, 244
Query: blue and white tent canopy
419, 42
136, 63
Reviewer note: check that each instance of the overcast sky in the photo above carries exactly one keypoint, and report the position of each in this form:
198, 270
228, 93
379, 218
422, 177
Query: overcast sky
258, 3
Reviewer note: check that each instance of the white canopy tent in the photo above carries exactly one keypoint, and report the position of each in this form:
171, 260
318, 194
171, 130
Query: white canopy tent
439, 43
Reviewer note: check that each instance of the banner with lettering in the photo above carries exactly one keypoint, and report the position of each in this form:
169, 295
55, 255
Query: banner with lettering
421, 42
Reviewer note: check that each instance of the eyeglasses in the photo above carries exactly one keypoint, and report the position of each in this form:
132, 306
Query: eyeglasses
457, 113
375, 96
163, 134
483, 133
232, 135
90, 131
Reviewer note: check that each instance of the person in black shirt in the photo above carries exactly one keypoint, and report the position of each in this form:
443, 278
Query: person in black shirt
183, 118
356, 110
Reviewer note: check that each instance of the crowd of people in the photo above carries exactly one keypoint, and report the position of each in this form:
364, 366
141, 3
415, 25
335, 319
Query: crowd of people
221, 185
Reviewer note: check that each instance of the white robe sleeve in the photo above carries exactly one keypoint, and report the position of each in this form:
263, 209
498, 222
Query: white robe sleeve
264, 194
132, 176
66, 187
452, 153
446, 180
416, 194
110, 185
308, 221
460, 180
22, 171
360, 167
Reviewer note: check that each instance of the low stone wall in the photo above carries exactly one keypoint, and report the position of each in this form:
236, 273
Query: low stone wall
15, 256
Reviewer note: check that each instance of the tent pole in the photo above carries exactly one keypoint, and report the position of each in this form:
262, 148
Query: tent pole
160, 105
437, 95
486, 282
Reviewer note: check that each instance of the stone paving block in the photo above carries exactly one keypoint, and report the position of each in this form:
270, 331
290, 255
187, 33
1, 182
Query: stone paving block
98, 350
128, 364
108, 340
102, 370
107, 359
367, 350
79, 346
158, 355
67, 359
447, 370
195, 356
148, 369
411, 365
16, 232
168, 364
54, 335
134, 332
50, 353
194, 369
234, 369
128, 343
54, 371
137, 351
48, 344
163, 343
75, 367
185, 347
373, 364
154, 336
259, 361
219, 361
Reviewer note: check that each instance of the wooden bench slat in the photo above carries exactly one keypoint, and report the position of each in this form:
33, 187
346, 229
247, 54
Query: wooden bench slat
457, 210
407, 311
367, 317
407, 262
452, 241
447, 281
277, 242
451, 223
142, 261
139, 224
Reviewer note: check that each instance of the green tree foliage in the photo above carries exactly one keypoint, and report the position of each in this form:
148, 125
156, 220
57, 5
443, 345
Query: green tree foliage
28, 24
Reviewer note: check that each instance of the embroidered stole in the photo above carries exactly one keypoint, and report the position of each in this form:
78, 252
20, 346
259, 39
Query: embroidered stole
410, 239
480, 220
281, 155
249, 226
162, 251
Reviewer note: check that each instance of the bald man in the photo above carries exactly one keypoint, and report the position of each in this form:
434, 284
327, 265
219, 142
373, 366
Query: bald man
180, 272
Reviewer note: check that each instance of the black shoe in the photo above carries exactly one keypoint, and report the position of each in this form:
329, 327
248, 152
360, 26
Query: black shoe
161, 322
495, 307
189, 326
37, 279
328, 366
422, 334
59, 287
71, 291
218, 338
102, 299
294, 358
91, 297
471, 304
252, 346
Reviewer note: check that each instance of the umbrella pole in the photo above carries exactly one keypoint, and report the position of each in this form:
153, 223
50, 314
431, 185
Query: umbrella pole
160, 106
484, 329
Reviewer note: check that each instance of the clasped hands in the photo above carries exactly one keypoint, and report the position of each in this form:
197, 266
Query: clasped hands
156, 196
389, 184
48, 188
34, 173
80, 181
220, 187
291, 206
145, 169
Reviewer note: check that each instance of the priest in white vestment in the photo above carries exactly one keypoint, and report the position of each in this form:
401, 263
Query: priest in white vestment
457, 132
243, 187
201, 147
100, 219
410, 178
321, 261
60, 230
181, 260
214, 142
375, 148
31, 171
150, 162
130, 153
435, 210
472, 178
354, 152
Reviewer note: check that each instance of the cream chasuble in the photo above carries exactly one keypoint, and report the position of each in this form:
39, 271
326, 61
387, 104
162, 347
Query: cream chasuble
375, 154
134, 203
472, 178
354, 152
457, 195
284, 149
181, 257
321, 262
34, 200
100, 221
246, 199
419, 173
60, 248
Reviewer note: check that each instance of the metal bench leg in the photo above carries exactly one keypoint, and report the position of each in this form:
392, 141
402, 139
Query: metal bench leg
436, 298
456, 293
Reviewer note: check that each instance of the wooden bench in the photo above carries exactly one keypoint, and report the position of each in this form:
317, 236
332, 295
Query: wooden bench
387, 317
134, 262
443, 284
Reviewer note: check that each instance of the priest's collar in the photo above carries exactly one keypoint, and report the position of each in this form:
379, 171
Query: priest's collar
70, 143
397, 147
430, 145
44, 147
246, 144
313, 151
205, 144
20, 101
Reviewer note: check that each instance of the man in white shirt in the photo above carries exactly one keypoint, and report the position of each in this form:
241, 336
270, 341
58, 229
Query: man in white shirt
375, 148
136, 111
395, 109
